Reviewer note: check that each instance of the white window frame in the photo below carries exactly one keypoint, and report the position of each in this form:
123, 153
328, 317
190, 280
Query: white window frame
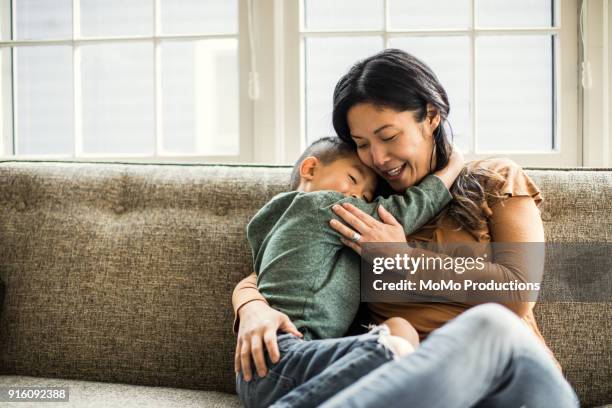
568, 137
8, 94
595, 96
272, 128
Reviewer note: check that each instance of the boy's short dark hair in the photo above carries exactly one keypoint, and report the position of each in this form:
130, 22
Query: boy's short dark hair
327, 150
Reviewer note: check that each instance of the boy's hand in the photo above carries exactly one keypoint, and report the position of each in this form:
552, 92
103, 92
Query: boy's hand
455, 164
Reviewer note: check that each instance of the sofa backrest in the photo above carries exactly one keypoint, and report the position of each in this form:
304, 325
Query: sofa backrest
124, 273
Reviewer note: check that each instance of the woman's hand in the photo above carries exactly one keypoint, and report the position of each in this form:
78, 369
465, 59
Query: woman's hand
258, 325
370, 229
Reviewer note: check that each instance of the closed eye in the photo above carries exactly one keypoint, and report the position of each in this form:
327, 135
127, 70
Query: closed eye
353, 179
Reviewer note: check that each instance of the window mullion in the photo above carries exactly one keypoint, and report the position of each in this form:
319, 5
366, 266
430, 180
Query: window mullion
386, 26
14, 112
76, 76
157, 94
474, 136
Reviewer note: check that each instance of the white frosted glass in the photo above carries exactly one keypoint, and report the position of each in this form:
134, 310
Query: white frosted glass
200, 95
514, 93
43, 19
327, 59
44, 100
418, 14
343, 14
197, 16
116, 18
449, 58
514, 13
117, 98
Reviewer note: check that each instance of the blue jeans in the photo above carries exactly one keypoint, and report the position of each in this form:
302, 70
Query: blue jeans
486, 357
310, 372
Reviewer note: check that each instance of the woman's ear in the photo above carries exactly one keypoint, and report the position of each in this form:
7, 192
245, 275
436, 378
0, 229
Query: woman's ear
433, 118
308, 167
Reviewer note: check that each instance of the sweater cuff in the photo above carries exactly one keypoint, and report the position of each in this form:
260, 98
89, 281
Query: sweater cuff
435, 186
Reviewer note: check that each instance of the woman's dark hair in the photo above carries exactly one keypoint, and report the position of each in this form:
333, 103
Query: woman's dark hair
398, 80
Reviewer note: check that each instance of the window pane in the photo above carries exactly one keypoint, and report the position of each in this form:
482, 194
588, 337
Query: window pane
117, 98
449, 58
44, 100
343, 14
413, 14
514, 93
6, 98
200, 97
514, 13
43, 19
197, 16
116, 18
327, 59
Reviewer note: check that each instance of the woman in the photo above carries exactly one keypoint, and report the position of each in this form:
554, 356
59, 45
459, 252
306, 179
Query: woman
392, 108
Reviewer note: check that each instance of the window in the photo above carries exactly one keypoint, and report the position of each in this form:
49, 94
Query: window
502, 62
114, 79
155, 80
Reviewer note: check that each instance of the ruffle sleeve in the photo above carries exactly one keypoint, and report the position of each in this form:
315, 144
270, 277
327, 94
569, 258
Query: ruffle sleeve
507, 179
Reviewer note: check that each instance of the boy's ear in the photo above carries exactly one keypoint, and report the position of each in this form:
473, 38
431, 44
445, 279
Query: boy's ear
308, 167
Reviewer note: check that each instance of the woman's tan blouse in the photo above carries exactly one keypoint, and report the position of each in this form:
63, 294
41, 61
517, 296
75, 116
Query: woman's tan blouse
426, 317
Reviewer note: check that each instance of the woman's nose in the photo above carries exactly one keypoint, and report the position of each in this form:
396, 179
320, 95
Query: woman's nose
379, 156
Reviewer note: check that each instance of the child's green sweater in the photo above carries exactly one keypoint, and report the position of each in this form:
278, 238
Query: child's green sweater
304, 271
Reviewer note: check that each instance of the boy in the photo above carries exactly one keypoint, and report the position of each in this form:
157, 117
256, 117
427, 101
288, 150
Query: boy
304, 271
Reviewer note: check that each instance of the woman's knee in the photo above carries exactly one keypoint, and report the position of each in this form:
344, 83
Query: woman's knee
494, 318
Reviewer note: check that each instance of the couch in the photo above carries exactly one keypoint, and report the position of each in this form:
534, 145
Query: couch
118, 278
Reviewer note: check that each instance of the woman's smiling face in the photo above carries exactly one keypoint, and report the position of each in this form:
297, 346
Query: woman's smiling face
393, 144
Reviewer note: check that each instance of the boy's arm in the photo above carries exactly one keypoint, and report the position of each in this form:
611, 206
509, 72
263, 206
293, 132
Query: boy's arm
417, 205
412, 210
422, 202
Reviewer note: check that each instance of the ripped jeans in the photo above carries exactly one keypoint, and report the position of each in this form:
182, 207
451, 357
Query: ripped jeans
310, 372
486, 357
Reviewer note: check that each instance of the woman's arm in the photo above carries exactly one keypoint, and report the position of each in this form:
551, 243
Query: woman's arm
517, 219
256, 324
514, 220
245, 292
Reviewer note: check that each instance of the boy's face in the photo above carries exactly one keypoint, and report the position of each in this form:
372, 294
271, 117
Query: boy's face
346, 175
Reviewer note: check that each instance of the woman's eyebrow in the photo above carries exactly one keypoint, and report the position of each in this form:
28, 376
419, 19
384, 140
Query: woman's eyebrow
382, 127
376, 131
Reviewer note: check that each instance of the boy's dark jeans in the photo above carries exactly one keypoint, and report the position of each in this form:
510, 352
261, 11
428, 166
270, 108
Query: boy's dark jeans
310, 372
